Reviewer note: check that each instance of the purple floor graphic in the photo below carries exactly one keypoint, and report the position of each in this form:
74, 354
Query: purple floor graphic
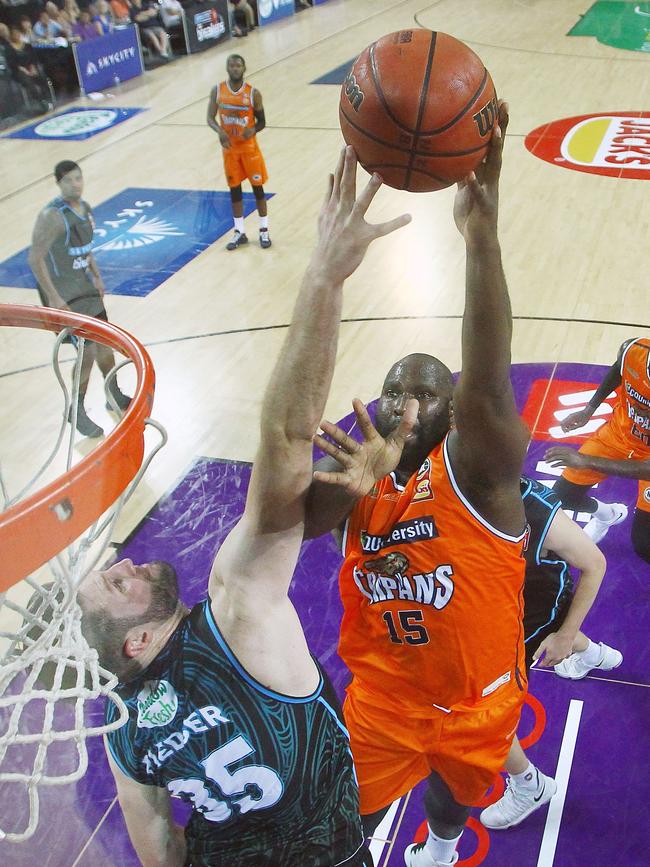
591, 735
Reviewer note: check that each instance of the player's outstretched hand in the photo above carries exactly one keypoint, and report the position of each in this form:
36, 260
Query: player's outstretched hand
476, 206
363, 464
343, 234
577, 419
564, 456
554, 649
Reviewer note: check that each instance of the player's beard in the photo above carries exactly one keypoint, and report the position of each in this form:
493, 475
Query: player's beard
107, 635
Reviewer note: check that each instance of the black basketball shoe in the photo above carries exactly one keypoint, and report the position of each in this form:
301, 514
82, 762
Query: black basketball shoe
238, 240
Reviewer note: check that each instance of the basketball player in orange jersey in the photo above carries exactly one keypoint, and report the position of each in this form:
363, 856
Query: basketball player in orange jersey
241, 112
621, 447
433, 574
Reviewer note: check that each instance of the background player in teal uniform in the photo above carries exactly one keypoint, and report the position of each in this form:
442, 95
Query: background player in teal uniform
227, 707
68, 277
553, 617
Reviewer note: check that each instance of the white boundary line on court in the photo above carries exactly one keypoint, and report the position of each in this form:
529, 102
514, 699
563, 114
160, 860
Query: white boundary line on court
604, 679
92, 836
564, 763
381, 835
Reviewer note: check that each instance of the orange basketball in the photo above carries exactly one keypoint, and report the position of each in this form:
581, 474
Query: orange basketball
419, 108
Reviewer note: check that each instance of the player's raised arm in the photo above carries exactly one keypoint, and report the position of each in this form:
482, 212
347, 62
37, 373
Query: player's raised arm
489, 443
265, 544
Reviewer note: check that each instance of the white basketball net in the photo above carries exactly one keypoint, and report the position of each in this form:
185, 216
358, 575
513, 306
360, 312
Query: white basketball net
48, 673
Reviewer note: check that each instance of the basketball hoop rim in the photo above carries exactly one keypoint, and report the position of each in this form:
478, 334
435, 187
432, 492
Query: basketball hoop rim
31, 532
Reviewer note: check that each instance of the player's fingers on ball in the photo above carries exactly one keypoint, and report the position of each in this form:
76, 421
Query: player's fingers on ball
338, 172
368, 194
329, 189
349, 176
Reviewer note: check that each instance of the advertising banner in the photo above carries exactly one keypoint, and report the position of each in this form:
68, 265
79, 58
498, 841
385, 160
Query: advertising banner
107, 60
269, 11
205, 24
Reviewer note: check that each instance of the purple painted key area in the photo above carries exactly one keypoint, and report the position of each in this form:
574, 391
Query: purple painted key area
606, 816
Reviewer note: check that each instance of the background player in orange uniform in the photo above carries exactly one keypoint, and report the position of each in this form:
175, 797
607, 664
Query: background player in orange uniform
621, 447
433, 577
241, 112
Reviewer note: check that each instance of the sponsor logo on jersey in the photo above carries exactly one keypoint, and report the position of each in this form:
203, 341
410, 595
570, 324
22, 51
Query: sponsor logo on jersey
486, 116
157, 704
646, 494
423, 489
635, 395
615, 144
76, 123
403, 533
430, 588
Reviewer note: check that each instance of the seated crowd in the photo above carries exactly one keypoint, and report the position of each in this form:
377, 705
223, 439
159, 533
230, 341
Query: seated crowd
35, 48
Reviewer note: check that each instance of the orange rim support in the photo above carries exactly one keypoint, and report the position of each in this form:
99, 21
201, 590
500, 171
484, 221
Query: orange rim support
34, 530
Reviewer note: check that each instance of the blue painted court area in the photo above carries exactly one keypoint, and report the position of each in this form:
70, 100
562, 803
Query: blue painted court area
75, 124
335, 76
144, 236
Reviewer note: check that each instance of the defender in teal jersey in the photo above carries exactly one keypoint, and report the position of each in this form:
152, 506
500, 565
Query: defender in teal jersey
228, 710
68, 278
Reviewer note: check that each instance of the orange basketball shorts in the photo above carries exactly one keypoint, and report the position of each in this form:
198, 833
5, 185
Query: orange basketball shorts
244, 162
393, 752
606, 443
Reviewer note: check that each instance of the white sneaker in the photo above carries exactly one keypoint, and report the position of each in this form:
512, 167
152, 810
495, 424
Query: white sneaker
597, 529
575, 668
517, 803
416, 855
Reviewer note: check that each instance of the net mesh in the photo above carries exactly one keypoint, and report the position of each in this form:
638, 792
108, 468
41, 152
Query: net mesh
50, 678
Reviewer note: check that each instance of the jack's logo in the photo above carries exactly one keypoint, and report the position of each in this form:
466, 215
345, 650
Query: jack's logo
485, 117
353, 91
615, 144
549, 403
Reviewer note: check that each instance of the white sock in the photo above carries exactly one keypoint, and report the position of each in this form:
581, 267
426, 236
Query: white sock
264, 222
441, 850
592, 654
528, 779
239, 224
605, 512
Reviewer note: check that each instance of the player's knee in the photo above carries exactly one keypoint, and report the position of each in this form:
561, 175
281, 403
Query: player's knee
641, 534
236, 194
258, 192
574, 496
446, 816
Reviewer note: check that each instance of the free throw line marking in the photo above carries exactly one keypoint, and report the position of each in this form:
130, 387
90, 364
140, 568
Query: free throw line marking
556, 806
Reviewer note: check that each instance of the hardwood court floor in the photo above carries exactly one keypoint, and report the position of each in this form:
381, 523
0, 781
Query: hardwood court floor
574, 244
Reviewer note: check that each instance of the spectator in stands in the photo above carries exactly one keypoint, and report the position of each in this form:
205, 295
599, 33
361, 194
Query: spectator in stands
47, 30
103, 19
69, 14
25, 70
243, 17
171, 12
57, 16
146, 14
26, 32
121, 10
84, 28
